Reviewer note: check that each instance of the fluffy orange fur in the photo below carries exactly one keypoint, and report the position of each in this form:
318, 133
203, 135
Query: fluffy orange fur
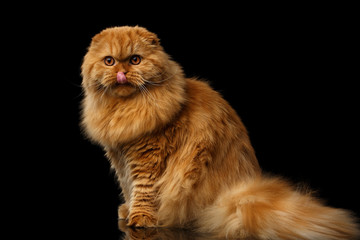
182, 155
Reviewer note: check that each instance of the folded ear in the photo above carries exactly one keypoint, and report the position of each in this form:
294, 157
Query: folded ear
96, 39
147, 36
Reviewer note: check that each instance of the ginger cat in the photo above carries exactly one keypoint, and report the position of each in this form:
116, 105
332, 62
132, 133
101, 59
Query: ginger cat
180, 152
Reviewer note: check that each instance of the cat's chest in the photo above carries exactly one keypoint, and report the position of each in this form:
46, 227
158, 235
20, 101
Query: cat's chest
113, 124
147, 156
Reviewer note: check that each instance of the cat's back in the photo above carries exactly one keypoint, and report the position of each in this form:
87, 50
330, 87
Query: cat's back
206, 107
209, 116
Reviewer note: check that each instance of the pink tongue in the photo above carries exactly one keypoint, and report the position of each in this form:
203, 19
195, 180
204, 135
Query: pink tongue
121, 78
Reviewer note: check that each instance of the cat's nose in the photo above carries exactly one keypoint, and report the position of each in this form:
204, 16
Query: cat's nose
121, 78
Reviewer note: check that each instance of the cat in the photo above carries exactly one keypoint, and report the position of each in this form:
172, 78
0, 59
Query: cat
182, 155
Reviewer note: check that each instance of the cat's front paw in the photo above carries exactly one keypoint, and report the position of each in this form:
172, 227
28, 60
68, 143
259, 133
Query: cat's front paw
141, 220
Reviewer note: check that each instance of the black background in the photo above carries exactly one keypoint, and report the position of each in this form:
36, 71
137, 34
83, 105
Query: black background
288, 72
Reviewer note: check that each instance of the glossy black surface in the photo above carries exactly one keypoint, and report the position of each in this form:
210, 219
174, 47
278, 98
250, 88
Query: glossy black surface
161, 233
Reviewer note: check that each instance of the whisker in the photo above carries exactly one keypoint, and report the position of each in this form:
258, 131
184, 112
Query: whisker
81, 94
74, 84
146, 93
162, 80
157, 75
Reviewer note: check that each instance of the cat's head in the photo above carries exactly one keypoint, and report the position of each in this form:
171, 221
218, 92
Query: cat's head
122, 61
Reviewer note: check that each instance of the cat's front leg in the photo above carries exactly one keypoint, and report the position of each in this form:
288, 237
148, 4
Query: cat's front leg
146, 166
142, 212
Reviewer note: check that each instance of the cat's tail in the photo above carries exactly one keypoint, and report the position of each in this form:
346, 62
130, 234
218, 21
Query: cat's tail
269, 208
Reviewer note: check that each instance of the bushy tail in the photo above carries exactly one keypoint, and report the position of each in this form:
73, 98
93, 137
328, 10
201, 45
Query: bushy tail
270, 208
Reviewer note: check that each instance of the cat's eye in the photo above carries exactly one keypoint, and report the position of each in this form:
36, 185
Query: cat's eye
135, 59
109, 61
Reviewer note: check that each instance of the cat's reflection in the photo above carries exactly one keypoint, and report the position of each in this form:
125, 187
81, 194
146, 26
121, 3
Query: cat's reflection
160, 233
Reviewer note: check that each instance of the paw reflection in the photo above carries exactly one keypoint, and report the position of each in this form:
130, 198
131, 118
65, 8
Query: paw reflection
160, 233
